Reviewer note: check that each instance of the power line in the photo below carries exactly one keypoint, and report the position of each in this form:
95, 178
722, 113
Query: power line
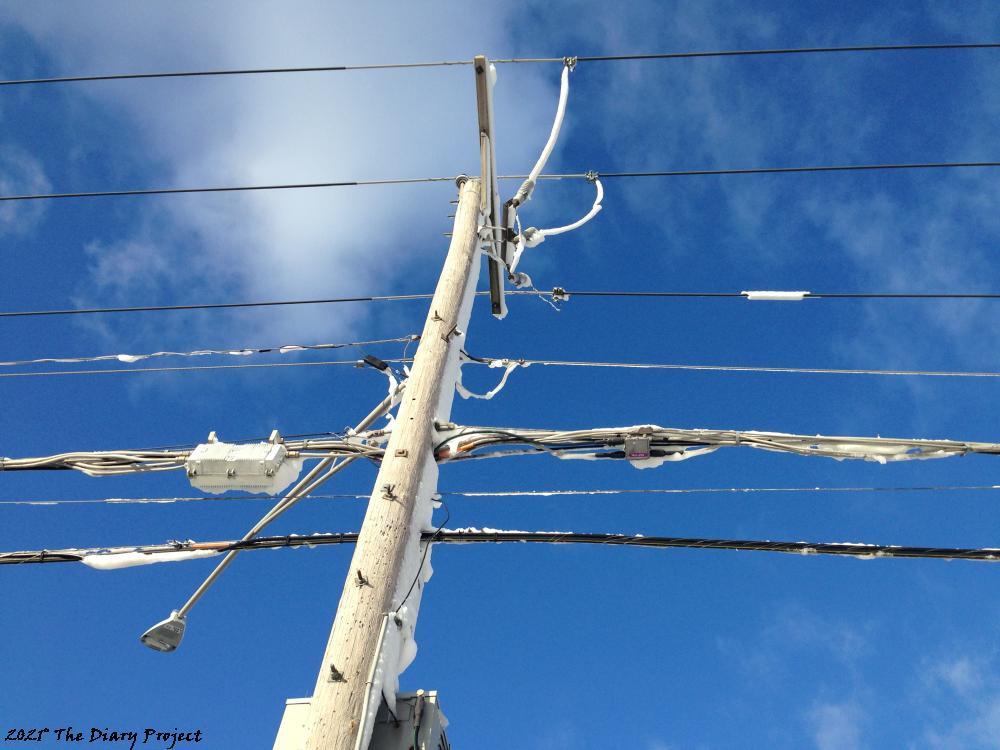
651, 445
236, 351
741, 368
645, 445
763, 170
501, 61
230, 72
190, 368
558, 293
224, 189
466, 536
805, 295
216, 306
507, 493
129, 461
568, 176
526, 363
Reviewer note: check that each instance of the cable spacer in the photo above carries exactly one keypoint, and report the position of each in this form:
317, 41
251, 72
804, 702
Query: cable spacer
570, 62
592, 176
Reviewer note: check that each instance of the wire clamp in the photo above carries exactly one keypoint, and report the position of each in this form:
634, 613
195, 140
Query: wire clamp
592, 176
570, 62
559, 294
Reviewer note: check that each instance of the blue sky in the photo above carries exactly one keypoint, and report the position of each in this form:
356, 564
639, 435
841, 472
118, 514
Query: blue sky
531, 647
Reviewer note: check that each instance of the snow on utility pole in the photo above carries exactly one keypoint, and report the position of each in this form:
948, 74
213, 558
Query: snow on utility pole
372, 633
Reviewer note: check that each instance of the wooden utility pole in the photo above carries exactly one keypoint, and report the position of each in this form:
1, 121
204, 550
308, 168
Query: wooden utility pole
388, 559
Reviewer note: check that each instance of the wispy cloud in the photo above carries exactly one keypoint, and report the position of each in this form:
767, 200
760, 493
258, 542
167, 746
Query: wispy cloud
961, 703
20, 174
836, 726
268, 129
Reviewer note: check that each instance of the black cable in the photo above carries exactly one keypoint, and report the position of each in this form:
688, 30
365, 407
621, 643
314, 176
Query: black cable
789, 51
215, 306
414, 180
228, 72
806, 295
510, 292
778, 170
173, 191
442, 63
423, 557
471, 536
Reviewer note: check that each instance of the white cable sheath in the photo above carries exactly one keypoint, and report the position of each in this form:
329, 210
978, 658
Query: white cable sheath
775, 296
524, 192
509, 367
533, 237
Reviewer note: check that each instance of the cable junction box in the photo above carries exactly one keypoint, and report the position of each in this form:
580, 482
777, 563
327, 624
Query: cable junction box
217, 467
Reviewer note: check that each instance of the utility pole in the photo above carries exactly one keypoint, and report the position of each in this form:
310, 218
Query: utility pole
362, 655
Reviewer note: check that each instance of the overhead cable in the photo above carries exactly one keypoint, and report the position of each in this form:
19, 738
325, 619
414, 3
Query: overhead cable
761, 170
558, 292
649, 446
110, 558
646, 446
512, 362
804, 295
240, 352
507, 362
217, 305
56, 502
759, 52
224, 189
130, 461
589, 176
512, 60
192, 368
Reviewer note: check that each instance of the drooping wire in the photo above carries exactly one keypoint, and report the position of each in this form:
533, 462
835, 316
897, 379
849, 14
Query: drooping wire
423, 557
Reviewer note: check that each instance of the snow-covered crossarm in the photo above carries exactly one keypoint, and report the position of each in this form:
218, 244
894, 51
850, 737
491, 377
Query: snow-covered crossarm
648, 446
112, 558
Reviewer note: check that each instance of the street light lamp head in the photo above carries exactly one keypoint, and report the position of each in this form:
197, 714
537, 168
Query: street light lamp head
165, 636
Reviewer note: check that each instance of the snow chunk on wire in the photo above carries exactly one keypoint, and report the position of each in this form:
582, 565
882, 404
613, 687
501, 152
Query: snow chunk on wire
118, 560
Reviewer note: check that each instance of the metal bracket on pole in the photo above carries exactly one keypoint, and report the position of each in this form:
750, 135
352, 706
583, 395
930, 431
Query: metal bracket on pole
490, 203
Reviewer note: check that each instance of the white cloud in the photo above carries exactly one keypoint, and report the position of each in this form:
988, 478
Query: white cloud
299, 128
20, 174
961, 703
835, 726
